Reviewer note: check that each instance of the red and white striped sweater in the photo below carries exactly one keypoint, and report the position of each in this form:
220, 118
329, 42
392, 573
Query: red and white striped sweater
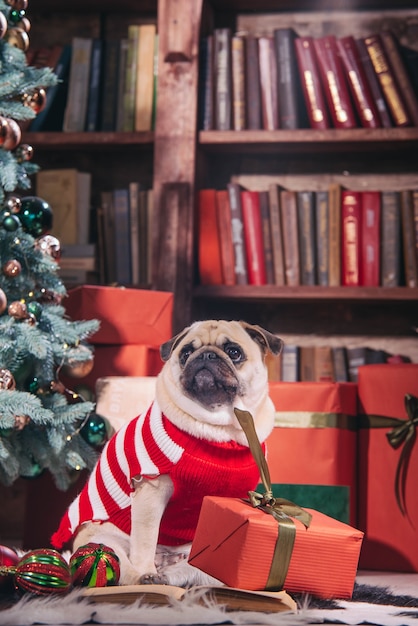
151, 445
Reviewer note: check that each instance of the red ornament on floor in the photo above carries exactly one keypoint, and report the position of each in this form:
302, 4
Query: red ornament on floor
8, 558
94, 565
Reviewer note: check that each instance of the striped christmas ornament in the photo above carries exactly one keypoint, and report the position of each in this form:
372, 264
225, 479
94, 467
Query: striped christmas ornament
41, 572
94, 565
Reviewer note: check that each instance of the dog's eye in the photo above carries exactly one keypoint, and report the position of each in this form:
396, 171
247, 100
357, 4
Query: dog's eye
234, 352
185, 353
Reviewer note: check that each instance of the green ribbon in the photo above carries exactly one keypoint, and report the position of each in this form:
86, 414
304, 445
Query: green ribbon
282, 510
403, 433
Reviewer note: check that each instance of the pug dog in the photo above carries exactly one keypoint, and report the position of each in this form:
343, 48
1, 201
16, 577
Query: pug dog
143, 498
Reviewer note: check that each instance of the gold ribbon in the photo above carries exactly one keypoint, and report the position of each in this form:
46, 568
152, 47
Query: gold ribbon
403, 434
282, 510
314, 419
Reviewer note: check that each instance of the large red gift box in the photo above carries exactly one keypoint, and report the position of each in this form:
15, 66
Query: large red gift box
235, 543
391, 537
127, 316
314, 440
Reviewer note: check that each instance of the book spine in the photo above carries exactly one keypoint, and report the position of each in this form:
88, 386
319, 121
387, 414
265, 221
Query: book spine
290, 98
253, 237
390, 238
206, 84
267, 240
339, 358
129, 88
333, 81
276, 235
252, 84
223, 79
134, 230
351, 237
356, 357
323, 364
311, 84
225, 236
75, 110
237, 227
290, 363
209, 254
414, 193
94, 100
321, 237
408, 239
109, 83
268, 83
144, 87
120, 96
374, 84
387, 80
288, 203
334, 237
357, 82
122, 236
306, 221
370, 238
397, 63
238, 83
306, 363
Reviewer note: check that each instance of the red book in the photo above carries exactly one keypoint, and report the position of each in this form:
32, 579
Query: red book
253, 237
311, 84
334, 83
225, 237
370, 238
209, 254
357, 82
350, 238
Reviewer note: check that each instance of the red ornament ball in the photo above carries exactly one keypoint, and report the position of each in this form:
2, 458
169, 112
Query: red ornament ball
8, 558
43, 571
94, 565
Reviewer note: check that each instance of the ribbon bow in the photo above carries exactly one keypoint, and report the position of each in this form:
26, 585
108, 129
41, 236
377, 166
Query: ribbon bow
282, 510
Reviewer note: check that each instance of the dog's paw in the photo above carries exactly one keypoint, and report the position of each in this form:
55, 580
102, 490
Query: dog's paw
153, 579
182, 574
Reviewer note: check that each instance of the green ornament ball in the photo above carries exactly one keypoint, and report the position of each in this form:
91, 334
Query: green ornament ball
94, 431
35, 216
35, 309
11, 223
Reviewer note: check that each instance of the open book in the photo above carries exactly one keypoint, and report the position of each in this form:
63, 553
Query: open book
233, 599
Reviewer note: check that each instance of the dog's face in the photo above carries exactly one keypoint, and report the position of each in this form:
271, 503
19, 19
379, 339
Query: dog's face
215, 365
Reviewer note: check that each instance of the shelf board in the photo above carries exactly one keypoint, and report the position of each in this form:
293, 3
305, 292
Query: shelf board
307, 139
273, 292
87, 141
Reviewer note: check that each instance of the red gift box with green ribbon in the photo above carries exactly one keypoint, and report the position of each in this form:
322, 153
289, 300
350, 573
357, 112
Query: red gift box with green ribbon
388, 466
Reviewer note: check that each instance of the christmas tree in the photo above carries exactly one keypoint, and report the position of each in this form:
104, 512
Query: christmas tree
44, 425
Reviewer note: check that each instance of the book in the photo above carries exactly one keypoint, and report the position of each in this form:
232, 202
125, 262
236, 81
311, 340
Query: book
209, 249
145, 234
222, 56
340, 364
334, 82
390, 238
323, 365
397, 63
306, 230
94, 101
109, 85
312, 89
237, 227
135, 231
130, 80
150, 233
356, 357
292, 112
223, 209
233, 599
374, 84
238, 82
321, 208
144, 89
52, 115
267, 239
252, 84
306, 364
78, 86
205, 96
334, 234
268, 83
276, 235
290, 363
370, 238
253, 237
68, 192
120, 96
387, 80
408, 239
351, 219
357, 82
123, 273
414, 193
289, 209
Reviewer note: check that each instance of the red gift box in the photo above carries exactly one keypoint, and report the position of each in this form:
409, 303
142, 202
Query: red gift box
391, 537
314, 441
127, 316
235, 543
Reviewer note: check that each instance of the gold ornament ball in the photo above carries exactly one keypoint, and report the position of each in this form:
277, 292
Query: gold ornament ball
12, 135
18, 38
24, 152
6, 379
35, 100
18, 310
3, 301
18, 5
3, 25
13, 204
12, 268
76, 368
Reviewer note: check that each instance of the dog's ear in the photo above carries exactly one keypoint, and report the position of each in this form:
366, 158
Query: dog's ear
166, 349
265, 339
